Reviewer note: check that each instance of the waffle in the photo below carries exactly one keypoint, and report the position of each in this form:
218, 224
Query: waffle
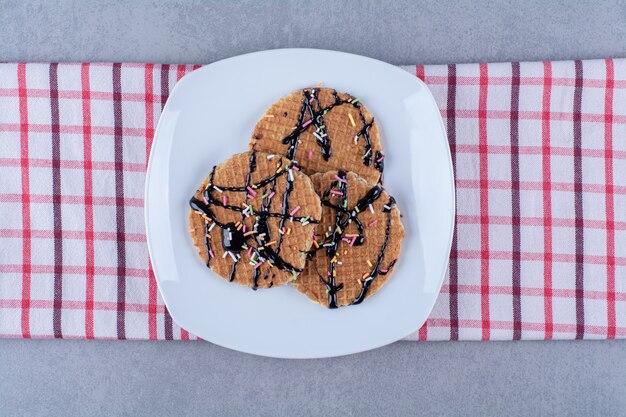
359, 267
317, 127
230, 238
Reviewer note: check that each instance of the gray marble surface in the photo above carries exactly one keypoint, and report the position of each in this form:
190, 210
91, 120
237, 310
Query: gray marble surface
99, 378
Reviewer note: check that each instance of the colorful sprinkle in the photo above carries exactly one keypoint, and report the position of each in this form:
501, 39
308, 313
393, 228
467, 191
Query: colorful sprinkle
205, 200
258, 265
352, 241
211, 256
251, 197
356, 100
373, 223
224, 201
271, 195
251, 190
211, 227
381, 158
225, 254
218, 189
308, 122
270, 156
335, 192
310, 155
294, 211
351, 120
295, 274
371, 209
369, 263
340, 179
295, 168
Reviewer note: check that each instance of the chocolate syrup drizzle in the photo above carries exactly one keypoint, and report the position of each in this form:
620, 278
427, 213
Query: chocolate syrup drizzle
312, 107
233, 240
343, 217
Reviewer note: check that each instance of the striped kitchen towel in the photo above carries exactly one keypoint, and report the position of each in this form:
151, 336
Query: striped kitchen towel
539, 151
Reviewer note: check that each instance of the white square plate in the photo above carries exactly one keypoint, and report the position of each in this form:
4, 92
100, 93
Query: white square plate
210, 115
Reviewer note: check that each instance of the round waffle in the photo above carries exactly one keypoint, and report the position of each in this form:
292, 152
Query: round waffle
252, 219
322, 130
357, 242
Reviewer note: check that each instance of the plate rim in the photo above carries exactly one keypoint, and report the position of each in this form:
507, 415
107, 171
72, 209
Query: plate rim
452, 192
